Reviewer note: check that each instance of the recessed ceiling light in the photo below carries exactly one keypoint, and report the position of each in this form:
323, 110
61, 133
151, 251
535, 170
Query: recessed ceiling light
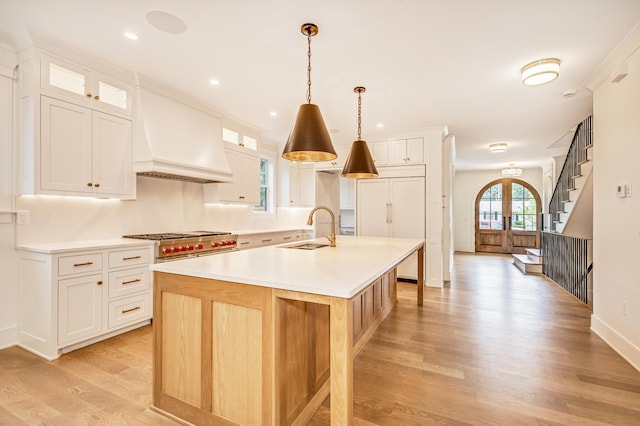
131, 36
380, 125
273, 114
214, 82
498, 147
166, 22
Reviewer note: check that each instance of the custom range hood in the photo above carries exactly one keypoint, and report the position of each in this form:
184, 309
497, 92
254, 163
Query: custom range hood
173, 140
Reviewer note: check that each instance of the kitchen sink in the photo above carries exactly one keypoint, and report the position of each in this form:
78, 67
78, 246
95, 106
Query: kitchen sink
306, 246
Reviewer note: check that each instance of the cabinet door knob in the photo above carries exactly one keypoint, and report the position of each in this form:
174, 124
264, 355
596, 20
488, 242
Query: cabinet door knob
99, 283
89, 184
96, 97
97, 185
241, 197
89, 95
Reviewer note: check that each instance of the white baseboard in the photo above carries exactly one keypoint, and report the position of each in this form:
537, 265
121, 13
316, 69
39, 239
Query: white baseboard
8, 337
617, 342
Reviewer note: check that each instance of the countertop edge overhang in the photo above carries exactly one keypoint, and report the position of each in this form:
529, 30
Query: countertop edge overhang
340, 271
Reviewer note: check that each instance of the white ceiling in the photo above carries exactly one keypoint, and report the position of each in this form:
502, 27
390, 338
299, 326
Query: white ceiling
424, 62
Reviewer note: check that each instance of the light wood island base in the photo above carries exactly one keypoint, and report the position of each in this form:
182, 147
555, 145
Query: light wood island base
228, 353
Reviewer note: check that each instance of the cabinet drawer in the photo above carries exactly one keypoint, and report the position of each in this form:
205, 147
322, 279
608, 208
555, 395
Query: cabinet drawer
128, 281
246, 243
130, 309
88, 262
140, 256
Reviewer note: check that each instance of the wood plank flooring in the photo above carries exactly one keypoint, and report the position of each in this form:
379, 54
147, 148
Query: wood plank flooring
495, 347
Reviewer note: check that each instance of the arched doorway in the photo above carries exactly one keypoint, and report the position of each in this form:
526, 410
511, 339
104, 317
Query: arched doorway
507, 217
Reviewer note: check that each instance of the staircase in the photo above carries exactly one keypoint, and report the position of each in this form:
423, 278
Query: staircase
571, 206
530, 263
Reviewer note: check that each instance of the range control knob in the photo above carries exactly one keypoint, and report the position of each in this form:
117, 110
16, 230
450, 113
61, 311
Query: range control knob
190, 247
166, 250
176, 249
183, 248
199, 246
215, 244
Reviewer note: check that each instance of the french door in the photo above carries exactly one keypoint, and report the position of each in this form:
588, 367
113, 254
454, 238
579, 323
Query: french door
507, 217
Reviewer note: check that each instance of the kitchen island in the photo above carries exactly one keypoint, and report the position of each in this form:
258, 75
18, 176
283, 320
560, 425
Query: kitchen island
262, 336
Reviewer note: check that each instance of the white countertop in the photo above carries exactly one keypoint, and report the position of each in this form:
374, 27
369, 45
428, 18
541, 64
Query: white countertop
61, 247
340, 271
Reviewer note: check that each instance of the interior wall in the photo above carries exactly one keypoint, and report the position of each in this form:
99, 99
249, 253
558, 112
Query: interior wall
161, 206
616, 223
467, 185
8, 281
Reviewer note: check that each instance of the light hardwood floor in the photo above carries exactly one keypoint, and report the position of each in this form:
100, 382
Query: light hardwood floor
494, 348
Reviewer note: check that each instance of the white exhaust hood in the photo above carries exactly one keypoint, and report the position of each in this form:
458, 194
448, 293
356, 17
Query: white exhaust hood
173, 140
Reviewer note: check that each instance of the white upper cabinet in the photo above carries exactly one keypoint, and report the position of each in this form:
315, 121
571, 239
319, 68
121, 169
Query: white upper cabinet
406, 151
77, 132
302, 184
80, 84
84, 151
396, 152
245, 187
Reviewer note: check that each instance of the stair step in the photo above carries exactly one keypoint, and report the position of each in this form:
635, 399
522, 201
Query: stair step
526, 265
534, 252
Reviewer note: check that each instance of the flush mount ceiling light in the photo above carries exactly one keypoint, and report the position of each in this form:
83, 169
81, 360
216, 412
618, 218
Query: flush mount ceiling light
359, 163
309, 139
511, 172
540, 71
498, 147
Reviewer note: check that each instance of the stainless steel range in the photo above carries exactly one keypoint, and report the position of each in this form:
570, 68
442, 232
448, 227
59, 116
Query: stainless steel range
174, 246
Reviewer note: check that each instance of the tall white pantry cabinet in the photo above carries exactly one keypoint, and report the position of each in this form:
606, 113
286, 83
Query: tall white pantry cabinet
392, 207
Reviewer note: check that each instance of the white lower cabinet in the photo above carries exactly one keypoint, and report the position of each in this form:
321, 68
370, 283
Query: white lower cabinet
80, 308
71, 298
260, 239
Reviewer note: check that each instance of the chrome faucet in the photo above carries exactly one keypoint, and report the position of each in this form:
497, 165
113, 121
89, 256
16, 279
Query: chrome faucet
332, 237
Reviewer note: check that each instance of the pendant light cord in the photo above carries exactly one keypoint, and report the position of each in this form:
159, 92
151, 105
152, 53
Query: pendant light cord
359, 113
309, 65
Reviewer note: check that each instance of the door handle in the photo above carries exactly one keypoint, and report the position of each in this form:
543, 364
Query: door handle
504, 223
509, 223
388, 218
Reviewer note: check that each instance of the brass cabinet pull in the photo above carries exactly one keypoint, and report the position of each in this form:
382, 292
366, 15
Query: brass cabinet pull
244, 242
132, 258
137, 280
286, 238
97, 185
124, 311
241, 197
75, 265
267, 241
96, 97
89, 184
99, 283
89, 95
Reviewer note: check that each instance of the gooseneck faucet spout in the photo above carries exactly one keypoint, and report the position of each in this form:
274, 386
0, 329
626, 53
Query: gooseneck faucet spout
332, 237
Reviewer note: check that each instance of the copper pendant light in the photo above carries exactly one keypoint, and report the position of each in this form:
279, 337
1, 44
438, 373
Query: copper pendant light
359, 163
309, 139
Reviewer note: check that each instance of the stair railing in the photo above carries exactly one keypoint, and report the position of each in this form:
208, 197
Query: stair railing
567, 261
582, 139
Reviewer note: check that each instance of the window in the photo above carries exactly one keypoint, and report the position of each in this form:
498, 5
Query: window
264, 187
490, 208
250, 143
523, 208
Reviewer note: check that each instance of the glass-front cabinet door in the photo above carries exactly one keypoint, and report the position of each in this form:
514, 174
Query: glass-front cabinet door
77, 83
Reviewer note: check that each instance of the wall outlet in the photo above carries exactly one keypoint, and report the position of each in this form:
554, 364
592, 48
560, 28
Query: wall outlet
23, 217
625, 308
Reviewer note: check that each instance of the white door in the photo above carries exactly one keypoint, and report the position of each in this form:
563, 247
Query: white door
65, 160
372, 207
112, 156
80, 308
